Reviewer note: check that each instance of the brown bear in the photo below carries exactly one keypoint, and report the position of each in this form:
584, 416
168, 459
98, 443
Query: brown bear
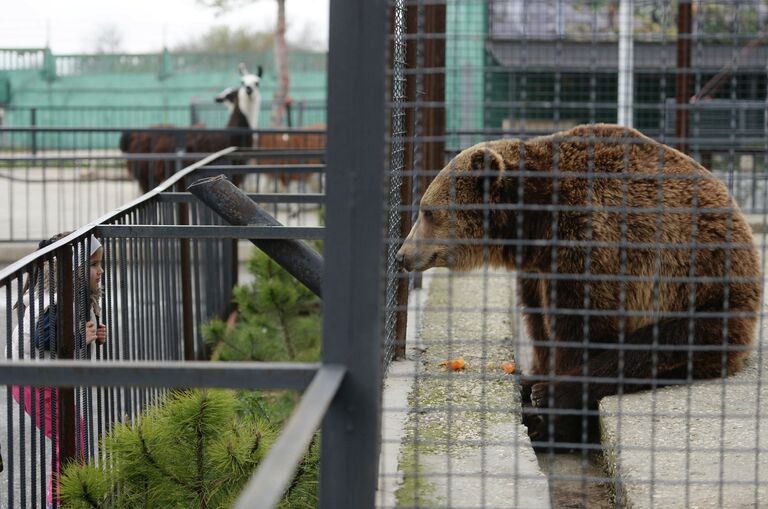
635, 267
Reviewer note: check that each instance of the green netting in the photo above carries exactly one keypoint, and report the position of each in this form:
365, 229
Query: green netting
139, 90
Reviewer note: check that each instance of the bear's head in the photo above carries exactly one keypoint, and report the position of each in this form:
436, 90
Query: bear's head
455, 213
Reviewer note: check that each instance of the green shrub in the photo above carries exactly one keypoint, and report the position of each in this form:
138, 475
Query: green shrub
195, 450
279, 319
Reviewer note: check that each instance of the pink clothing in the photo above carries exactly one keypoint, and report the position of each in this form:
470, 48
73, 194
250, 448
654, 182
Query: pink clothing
29, 401
45, 393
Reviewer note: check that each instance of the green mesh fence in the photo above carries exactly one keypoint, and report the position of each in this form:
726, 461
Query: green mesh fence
38, 88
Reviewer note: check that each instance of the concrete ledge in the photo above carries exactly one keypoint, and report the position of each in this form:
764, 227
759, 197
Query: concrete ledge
11, 252
691, 446
756, 222
462, 443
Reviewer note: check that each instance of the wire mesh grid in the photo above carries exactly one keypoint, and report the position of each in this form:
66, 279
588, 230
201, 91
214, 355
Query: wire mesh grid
397, 163
588, 330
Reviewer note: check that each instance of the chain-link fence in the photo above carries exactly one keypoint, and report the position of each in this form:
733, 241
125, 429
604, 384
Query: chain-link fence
585, 320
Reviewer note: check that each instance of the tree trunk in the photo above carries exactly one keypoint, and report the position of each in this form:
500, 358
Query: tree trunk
281, 62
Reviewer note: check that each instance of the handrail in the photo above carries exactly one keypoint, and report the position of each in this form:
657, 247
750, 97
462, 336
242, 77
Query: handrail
231, 374
83, 231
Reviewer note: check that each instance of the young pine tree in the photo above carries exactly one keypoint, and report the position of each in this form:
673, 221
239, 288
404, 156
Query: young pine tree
195, 450
279, 319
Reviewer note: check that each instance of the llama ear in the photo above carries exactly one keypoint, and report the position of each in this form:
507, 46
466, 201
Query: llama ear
228, 94
259, 70
243, 69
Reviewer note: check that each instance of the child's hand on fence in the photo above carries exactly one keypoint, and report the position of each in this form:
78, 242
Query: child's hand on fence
92, 333
101, 334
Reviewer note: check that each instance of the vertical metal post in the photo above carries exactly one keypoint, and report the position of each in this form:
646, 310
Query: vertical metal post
66, 350
683, 80
432, 123
188, 324
353, 249
186, 286
33, 123
193, 116
626, 63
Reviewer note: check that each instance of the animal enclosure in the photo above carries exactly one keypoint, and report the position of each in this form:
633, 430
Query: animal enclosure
578, 199
543, 263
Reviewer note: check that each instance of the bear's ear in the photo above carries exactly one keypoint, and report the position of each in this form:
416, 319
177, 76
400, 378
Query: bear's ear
492, 181
486, 159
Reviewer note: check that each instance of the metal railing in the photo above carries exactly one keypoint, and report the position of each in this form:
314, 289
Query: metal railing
342, 390
168, 269
58, 189
303, 113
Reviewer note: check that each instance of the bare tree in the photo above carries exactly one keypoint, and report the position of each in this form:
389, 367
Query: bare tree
222, 39
281, 62
281, 54
106, 39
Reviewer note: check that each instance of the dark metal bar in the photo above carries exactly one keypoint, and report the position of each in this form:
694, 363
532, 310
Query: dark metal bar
186, 287
163, 156
276, 471
294, 153
298, 258
257, 170
683, 79
351, 324
233, 375
257, 197
159, 130
33, 123
66, 350
211, 232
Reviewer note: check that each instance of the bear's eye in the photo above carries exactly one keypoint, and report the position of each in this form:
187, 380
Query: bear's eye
428, 215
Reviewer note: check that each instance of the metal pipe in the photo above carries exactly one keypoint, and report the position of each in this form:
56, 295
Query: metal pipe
234, 206
626, 63
66, 350
683, 79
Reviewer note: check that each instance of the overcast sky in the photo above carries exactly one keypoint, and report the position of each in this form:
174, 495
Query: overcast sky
71, 26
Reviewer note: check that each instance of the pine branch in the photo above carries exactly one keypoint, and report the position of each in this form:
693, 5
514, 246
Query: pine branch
301, 469
199, 450
287, 339
87, 496
153, 462
256, 443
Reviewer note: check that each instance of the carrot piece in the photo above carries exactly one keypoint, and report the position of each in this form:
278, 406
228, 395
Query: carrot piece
509, 367
457, 364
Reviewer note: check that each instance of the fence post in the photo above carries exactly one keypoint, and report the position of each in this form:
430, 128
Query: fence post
683, 79
188, 324
194, 118
353, 250
66, 350
33, 123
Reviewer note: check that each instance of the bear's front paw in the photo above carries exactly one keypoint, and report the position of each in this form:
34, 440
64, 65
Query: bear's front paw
525, 390
554, 395
540, 394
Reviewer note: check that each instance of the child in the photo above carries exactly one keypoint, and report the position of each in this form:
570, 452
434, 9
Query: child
38, 338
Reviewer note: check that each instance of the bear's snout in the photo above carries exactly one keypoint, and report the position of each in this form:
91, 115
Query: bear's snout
404, 261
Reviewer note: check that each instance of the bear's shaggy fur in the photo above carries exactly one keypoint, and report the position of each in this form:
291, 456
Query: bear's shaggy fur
617, 240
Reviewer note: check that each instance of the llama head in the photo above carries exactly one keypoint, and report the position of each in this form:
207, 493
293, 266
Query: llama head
249, 95
228, 96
